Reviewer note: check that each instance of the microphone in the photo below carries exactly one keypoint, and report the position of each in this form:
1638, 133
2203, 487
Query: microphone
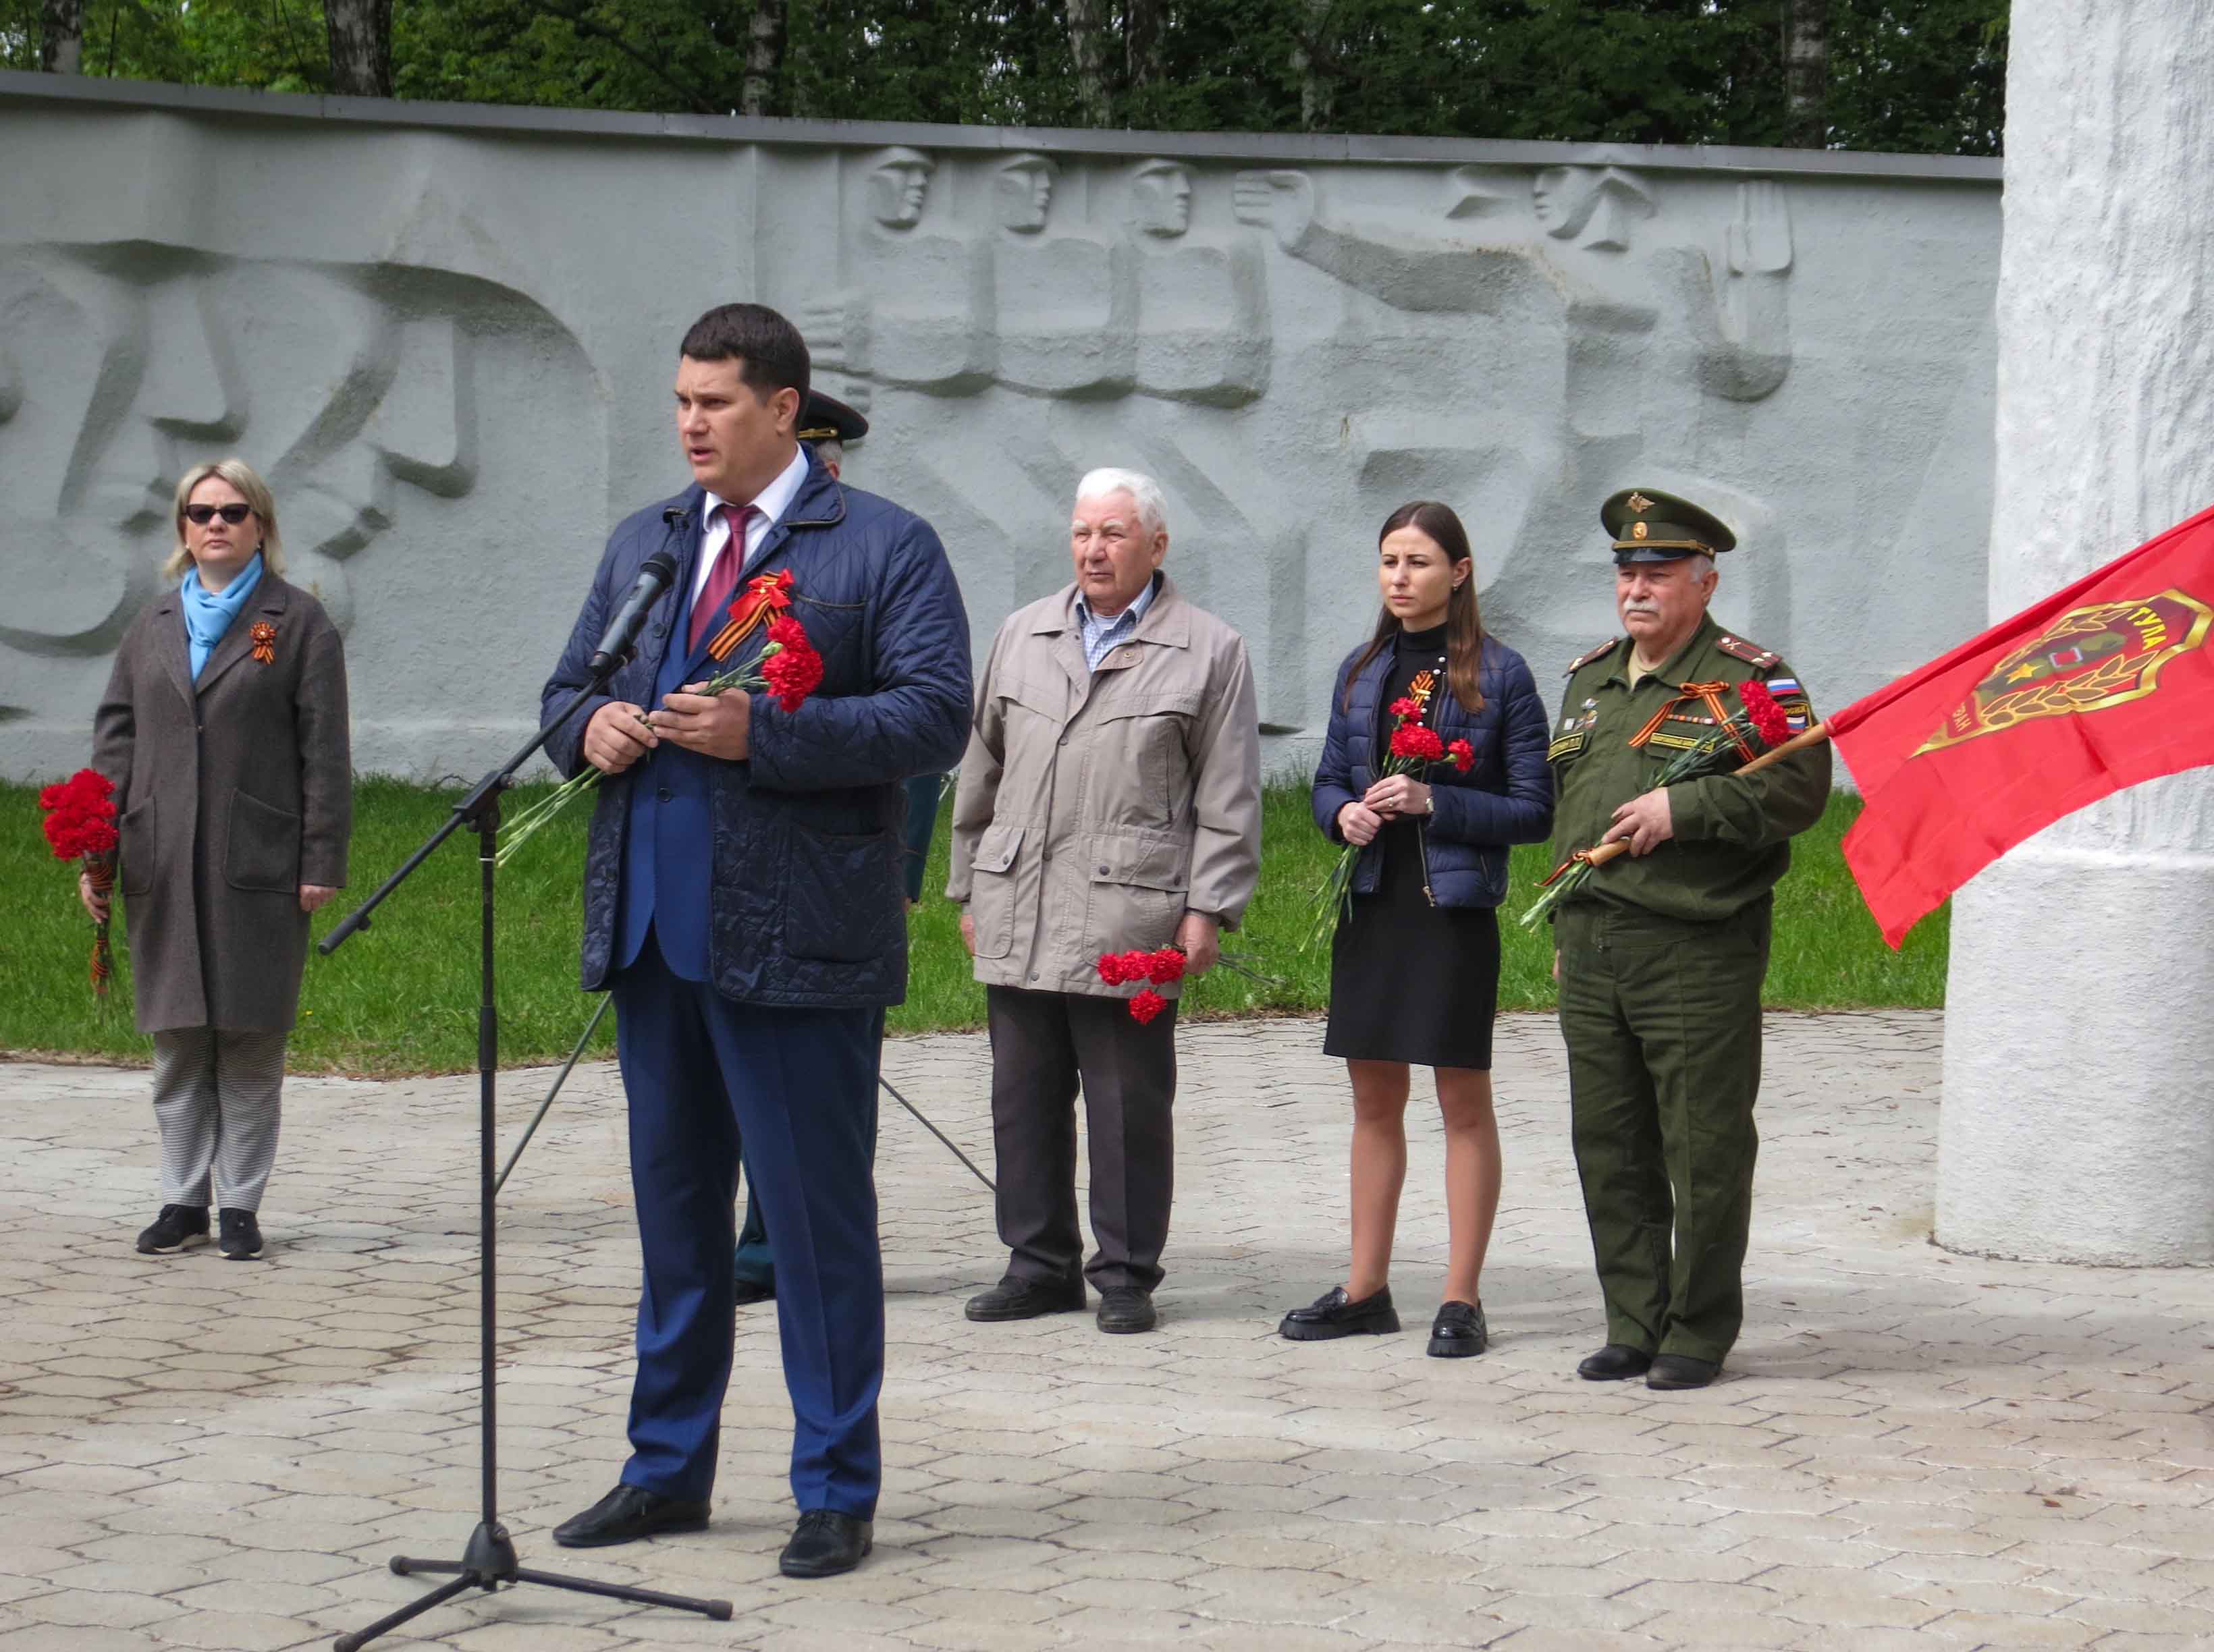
622, 630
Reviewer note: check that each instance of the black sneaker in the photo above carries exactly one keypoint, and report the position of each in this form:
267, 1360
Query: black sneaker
1334, 1314
239, 1235
179, 1227
1458, 1331
1027, 1299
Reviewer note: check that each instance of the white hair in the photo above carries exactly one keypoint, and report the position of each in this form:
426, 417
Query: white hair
1144, 492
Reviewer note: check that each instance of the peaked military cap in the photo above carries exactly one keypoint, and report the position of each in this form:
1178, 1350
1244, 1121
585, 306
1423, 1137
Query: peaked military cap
1650, 526
825, 418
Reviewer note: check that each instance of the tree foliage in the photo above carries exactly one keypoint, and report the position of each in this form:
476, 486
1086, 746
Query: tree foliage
1900, 74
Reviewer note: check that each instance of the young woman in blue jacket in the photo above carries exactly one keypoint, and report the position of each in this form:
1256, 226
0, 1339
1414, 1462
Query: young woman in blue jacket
1414, 963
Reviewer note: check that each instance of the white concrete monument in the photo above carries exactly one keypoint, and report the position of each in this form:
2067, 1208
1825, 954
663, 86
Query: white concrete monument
446, 336
2078, 1121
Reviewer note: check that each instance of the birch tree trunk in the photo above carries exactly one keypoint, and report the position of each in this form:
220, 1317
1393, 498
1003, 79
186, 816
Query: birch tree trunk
361, 46
1088, 44
1806, 72
1142, 39
61, 36
2078, 1117
764, 58
1317, 94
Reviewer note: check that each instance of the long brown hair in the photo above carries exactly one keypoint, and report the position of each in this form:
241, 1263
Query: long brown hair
1463, 625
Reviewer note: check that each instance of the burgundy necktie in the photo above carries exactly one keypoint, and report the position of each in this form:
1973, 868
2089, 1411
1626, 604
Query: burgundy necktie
714, 596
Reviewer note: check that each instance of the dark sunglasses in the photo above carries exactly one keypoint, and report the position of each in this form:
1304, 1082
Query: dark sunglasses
201, 515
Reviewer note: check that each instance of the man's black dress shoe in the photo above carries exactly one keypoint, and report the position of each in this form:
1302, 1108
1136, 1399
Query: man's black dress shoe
1615, 1361
1125, 1308
1458, 1331
1334, 1314
826, 1543
750, 1292
1681, 1371
1026, 1299
627, 1513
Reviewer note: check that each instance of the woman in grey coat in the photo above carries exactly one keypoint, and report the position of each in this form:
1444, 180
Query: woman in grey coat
224, 732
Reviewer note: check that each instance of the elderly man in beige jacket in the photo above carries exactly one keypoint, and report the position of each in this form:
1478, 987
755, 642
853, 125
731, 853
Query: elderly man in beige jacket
1109, 799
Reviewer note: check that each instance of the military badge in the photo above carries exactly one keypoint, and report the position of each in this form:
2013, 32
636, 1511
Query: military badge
2087, 660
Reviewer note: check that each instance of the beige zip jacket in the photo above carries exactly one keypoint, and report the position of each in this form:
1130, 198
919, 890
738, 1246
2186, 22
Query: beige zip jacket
1096, 807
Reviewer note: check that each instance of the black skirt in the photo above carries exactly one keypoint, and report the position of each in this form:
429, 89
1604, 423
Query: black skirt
1409, 981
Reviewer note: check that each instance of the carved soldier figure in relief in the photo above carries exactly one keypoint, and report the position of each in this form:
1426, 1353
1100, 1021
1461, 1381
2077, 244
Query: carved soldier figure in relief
918, 310
1396, 257
1067, 297
1203, 330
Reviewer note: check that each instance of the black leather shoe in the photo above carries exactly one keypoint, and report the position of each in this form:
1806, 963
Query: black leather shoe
750, 1292
1681, 1371
826, 1543
1334, 1314
1614, 1362
627, 1513
1125, 1308
1458, 1331
1026, 1299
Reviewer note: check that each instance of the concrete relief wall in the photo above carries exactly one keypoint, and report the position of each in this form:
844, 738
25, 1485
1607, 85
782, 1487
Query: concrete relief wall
447, 336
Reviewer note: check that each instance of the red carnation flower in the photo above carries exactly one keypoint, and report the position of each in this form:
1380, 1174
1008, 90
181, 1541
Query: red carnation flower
1166, 965
795, 670
1413, 740
1146, 1005
1404, 708
1463, 754
1111, 968
1768, 718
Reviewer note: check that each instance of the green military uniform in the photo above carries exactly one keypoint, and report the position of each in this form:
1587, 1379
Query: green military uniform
1662, 958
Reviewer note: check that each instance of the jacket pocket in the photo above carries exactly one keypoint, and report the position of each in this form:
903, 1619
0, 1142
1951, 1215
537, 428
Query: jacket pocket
138, 845
1143, 748
841, 897
992, 890
264, 849
1139, 882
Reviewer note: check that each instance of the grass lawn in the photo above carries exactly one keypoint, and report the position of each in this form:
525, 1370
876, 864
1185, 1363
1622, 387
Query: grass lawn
402, 998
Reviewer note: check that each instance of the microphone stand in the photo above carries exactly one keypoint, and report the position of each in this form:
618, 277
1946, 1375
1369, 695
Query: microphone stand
489, 1560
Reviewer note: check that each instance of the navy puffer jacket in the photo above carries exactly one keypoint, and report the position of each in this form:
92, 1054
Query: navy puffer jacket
807, 830
1506, 797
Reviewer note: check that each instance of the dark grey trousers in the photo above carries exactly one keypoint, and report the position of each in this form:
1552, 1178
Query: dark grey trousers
1042, 1044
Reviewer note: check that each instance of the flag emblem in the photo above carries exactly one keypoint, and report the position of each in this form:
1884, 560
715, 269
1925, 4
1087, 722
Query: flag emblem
2089, 659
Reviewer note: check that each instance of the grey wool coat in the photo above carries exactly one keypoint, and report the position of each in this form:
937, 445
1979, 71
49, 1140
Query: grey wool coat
231, 793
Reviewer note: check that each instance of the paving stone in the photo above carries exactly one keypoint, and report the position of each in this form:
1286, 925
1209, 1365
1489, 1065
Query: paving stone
1912, 1451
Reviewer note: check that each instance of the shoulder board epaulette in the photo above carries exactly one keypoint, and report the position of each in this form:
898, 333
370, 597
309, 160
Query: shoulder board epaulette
1598, 653
1752, 653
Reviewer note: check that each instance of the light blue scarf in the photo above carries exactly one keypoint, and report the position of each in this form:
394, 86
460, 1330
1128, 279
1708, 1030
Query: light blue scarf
208, 614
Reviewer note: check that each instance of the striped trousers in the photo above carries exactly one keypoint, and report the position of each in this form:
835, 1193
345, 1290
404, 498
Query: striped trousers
216, 1098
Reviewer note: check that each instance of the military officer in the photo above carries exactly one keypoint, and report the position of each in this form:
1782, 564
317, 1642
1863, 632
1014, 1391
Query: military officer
1660, 953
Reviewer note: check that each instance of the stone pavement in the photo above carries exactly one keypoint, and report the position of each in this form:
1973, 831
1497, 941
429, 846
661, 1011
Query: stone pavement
1912, 1448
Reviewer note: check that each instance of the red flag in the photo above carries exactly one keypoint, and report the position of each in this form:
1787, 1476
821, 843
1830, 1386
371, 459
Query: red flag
2102, 686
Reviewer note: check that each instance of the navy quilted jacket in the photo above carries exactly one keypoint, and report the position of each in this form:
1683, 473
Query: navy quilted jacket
807, 829
1506, 797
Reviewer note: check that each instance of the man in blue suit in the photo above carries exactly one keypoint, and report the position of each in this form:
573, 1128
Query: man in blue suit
741, 901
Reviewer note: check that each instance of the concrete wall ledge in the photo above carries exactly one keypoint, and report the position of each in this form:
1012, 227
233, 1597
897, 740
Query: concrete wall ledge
1289, 147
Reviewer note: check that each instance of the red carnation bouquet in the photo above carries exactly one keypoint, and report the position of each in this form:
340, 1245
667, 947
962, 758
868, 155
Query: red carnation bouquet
80, 826
788, 667
1740, 744
1414, 747
1159, 968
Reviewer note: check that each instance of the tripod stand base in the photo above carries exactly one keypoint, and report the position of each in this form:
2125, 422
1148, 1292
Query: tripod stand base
488, 1562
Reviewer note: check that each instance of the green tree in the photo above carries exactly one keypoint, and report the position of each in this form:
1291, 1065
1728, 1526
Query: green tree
1928, 75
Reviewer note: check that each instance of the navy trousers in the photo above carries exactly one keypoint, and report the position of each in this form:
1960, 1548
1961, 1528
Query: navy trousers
799, 1086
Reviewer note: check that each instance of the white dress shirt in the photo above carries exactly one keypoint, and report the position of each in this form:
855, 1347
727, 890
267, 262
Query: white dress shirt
769, 507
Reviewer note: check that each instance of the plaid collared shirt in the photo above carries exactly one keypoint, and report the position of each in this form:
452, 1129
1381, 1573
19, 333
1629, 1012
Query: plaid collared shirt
1101, 636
